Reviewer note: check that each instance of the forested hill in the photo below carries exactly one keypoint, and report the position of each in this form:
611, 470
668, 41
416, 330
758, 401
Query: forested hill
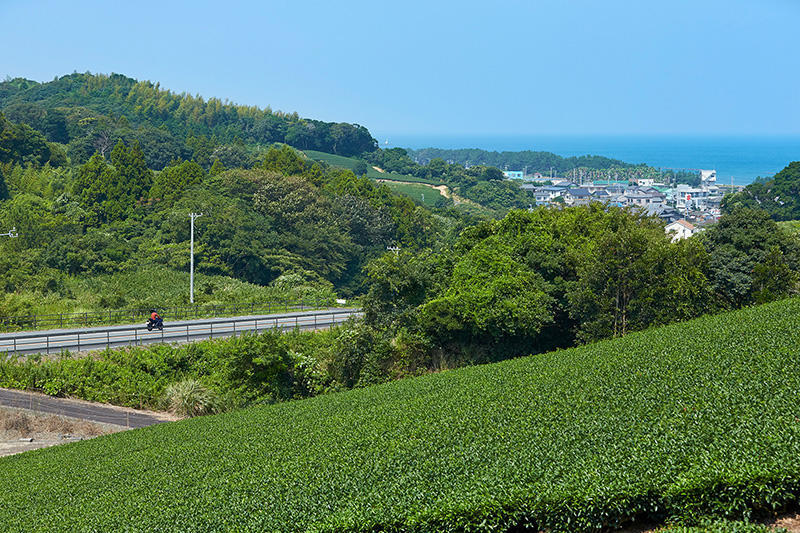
778, 196
534, 161
83, 110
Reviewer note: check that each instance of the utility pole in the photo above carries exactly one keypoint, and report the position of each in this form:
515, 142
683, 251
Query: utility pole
13, 233
191, 258
395, 249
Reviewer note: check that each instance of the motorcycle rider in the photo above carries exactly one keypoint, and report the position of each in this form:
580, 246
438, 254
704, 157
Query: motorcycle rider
155, 319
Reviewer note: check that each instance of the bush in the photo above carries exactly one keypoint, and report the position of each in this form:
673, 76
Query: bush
190, 398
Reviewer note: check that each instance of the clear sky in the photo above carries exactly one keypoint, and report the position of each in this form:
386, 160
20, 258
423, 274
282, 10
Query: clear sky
443, 67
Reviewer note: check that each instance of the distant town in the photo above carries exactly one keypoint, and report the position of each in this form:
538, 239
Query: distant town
685, 209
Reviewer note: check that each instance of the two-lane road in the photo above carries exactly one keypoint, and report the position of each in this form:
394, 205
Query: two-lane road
54, 341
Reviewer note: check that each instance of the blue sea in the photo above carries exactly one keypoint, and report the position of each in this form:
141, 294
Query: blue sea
742, 158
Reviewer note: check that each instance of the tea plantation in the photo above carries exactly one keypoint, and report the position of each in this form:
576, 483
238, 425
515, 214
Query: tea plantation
691, 422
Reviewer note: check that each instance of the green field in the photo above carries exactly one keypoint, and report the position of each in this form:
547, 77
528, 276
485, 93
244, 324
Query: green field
350, 163
417, 192
676, 423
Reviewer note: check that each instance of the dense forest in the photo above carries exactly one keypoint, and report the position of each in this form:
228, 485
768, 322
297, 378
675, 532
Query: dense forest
88, 112
532, 160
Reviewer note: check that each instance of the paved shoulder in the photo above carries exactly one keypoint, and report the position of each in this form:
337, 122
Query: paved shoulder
78, 409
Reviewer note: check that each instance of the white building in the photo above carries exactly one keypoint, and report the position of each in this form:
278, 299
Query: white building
513, 174
681, 229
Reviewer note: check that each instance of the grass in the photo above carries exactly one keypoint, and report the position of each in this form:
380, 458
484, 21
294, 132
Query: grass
156, 286
423, 194
679, 423
350, 163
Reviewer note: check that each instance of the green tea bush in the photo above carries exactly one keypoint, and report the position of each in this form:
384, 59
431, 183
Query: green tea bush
682, 424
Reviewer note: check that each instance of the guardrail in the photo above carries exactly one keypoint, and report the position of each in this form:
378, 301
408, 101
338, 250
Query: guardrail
99, 338
120, 316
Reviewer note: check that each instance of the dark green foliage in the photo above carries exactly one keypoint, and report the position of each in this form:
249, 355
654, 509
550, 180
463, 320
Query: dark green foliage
360, 168
691, 424
539, 280
779, 196
534, 161
4, 195
482, 184
752, 260
19, 143
284, 160
268, 367
143, 109
170, 183
109, 193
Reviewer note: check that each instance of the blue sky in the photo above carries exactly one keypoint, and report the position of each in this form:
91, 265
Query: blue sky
436, 67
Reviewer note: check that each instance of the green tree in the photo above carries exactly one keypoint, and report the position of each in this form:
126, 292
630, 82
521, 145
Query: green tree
217, 168
779, 196
284, 160
92, 186
4, 194
360, 168
131, 183
170, 183
746, 249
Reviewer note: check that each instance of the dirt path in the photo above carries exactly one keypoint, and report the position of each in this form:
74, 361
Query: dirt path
82, 410
22, 430
443, 189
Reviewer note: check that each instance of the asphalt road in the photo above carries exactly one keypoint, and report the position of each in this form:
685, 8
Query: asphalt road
76, 409
87, 339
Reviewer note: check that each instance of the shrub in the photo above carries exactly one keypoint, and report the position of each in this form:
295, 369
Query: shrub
189, 398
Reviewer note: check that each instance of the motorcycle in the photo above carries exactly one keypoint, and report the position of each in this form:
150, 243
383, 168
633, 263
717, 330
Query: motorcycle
158, 323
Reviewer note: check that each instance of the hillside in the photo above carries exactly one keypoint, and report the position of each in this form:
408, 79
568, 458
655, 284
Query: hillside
779, 196
535, 161
641, 427
79, 105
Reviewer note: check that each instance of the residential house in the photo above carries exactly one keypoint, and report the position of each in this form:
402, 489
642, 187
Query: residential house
664, 212
577, 196
681, 229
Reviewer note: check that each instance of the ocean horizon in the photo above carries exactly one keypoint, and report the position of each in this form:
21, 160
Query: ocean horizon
740, 157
